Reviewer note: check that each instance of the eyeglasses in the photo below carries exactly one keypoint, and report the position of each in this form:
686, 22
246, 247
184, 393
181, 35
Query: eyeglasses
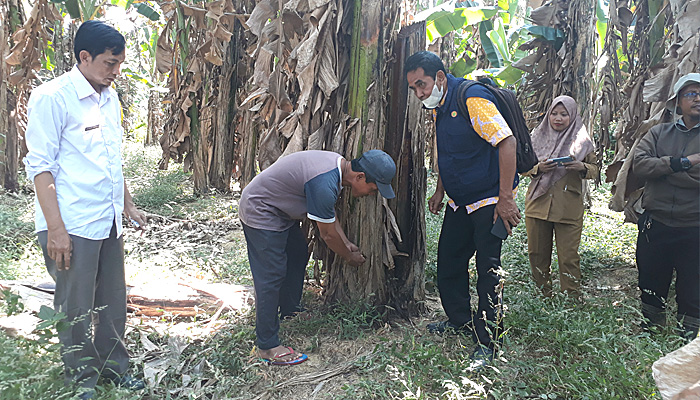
691, 95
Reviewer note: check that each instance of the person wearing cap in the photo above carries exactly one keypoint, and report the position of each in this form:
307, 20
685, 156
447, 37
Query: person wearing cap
305, 184
667, 158
477, 161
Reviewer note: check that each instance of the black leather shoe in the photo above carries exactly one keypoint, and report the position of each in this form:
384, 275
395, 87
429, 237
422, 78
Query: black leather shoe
481, 357
441, 328
291, 314
127, 382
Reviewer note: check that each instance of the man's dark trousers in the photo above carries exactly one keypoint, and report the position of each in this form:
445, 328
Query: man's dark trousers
278, 263
660, 250
92, 294
461, 236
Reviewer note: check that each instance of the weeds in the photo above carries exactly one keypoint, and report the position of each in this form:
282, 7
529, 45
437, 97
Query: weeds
554, 349
28, 372
344, 321
17, 237
13, 302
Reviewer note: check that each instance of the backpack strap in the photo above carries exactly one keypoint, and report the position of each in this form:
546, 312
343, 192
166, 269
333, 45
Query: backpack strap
461, 92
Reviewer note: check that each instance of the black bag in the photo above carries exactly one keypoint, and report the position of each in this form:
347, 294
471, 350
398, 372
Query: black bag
513, 114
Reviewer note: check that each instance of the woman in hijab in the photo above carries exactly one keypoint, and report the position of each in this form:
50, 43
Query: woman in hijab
554, 201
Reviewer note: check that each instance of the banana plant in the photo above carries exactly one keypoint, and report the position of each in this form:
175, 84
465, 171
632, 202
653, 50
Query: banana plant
443, 21
601, 23
500, 33
502, 38
147, 44
86, 10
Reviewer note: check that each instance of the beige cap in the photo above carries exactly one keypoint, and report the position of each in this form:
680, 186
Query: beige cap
684, 81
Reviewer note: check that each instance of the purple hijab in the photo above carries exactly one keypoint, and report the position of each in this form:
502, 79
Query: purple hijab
548, 143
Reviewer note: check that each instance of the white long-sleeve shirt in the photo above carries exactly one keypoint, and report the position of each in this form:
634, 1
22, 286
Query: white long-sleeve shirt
75, 134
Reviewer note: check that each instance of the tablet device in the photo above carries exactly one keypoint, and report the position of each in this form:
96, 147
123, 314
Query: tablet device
562, 160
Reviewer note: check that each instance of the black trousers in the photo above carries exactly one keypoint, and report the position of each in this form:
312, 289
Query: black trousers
661, 249
461, 236
278, 263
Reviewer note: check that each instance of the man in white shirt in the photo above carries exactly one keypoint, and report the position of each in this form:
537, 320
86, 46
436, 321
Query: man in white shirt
74, 138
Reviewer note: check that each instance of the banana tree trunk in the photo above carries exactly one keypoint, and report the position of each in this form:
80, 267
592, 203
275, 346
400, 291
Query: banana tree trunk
200, 146
406, 143
223, 132
582, 14
11, 18
155, 117
394, 247
4, 114
361, 217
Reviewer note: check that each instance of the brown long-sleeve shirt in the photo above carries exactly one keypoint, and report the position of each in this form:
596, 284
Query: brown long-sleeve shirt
672, 198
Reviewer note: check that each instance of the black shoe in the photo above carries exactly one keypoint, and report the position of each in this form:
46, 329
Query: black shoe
293, 313
88, 395
688, 327
127, 382
654, 318
446, 326
481, 357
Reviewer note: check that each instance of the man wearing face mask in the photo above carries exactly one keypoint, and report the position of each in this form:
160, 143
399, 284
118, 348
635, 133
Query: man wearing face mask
477, 162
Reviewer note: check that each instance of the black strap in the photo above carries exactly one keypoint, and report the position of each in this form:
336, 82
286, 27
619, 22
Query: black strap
461, 93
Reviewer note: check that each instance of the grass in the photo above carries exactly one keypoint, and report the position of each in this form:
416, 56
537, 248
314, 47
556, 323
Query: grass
32, 371
169, 192
17, 239
554, 349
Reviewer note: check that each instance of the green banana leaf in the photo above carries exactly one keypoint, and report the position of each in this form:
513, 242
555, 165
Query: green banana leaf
467, 3
601, 24
512, 11
601, 11
511, 6
509, 74
602, 28
656, 33
73, 8
463, 66
147, 11
498, 38
492, 53
48, 58
137, 77
441, 23
141, 7
504, 5
121, 3
552, 35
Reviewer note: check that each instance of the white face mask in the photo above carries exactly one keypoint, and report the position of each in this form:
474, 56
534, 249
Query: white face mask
435, 97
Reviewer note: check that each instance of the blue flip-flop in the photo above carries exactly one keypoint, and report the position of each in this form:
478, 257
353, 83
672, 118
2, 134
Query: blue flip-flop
277, 359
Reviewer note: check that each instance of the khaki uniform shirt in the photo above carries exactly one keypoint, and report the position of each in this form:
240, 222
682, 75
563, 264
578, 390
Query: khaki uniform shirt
563, 202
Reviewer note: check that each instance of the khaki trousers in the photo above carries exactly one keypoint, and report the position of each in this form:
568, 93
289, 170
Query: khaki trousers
539, 245
92, 294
